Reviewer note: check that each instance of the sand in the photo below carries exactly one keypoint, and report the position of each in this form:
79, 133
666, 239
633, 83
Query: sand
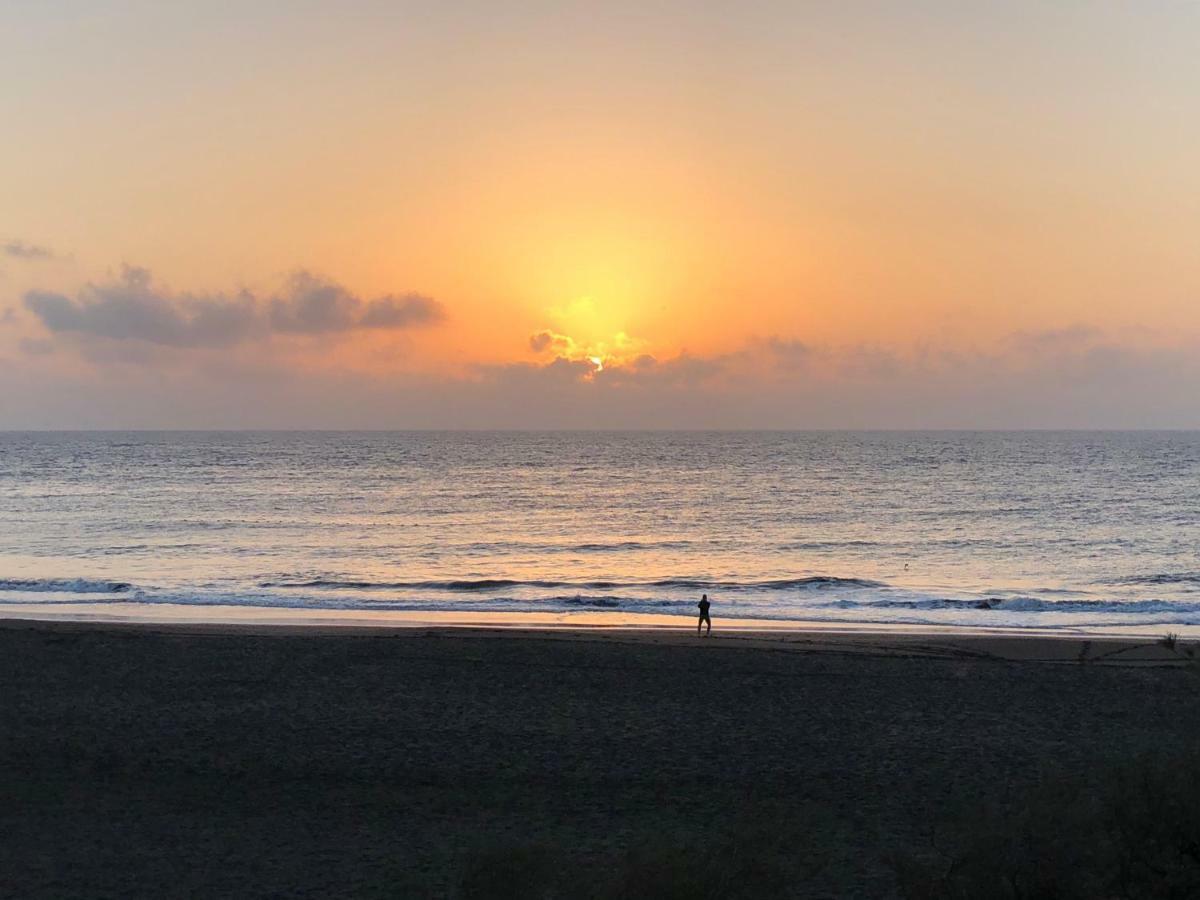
254, 761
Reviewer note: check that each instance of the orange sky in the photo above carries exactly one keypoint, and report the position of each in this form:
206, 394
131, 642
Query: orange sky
638, 179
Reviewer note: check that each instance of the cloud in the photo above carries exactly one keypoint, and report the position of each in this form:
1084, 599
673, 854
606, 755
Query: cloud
1078, 378
311, 305
558, 372
683, 370
788, 350
560, 344
36, 347
1106, 385
133, 308
1072, 337
1064, 378
760, 359
22, 250
408, 311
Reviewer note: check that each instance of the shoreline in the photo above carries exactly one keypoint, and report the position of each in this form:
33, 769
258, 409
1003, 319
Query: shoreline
594, 619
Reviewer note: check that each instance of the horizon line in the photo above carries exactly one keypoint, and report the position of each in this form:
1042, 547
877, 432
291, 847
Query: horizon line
578, 430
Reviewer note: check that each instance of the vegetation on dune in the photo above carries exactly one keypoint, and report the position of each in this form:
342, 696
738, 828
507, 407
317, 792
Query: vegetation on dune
734, 869
1127, 830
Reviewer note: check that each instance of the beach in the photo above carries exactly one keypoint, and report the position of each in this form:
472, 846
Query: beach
152, 760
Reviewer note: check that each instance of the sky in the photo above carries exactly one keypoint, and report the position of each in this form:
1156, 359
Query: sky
599, 215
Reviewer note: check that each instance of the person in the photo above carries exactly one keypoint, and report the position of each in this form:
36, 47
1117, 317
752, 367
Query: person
704, 605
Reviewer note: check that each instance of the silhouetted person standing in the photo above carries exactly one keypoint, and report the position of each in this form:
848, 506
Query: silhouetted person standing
704, 605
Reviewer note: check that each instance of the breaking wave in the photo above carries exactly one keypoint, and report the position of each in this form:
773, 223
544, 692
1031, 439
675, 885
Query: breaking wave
1022, 604
63, 586
814, 597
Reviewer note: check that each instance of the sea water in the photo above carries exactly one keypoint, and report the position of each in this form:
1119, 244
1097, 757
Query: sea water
1030, 530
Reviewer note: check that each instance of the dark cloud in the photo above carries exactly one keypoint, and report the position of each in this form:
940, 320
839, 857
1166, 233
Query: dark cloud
678, 371
132, 308
550, 340
560, 371
311, 305
407, 311
22, 250
644, 371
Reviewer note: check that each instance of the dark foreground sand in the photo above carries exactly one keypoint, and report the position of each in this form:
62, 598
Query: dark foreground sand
216, 762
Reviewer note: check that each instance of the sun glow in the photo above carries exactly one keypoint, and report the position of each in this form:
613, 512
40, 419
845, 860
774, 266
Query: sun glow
587, 331
587, 321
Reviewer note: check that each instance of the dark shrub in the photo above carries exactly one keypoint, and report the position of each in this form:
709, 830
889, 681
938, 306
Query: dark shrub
1130, 831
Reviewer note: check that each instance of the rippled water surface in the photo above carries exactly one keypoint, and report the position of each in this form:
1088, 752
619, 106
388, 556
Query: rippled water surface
1041, 530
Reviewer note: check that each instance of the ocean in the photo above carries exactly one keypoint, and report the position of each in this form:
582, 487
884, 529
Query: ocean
1069, 532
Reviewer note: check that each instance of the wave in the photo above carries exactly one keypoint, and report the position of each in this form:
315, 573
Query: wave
1160, 578
482, 584
64, 586
620, 546
1022, 604
827, 545
633, 604
595, 602
812, 582
538, 547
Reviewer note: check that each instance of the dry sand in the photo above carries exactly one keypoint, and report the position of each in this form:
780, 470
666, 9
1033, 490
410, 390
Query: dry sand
235, 761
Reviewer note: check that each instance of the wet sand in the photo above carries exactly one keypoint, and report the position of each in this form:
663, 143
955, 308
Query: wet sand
253, 761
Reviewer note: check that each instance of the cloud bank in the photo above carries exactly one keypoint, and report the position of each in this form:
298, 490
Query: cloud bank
133, 308
1070, 379
100, 359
